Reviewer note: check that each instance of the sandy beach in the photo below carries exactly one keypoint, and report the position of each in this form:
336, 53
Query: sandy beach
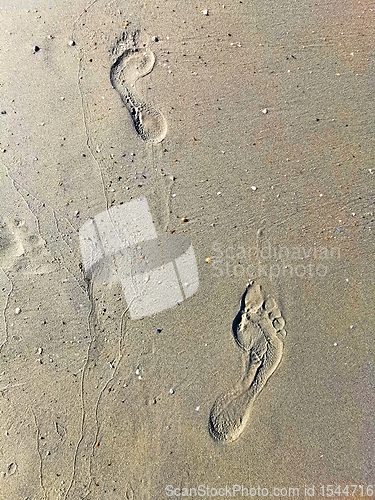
186, 249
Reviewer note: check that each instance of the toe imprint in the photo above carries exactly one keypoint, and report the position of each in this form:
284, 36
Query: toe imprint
278, 324
275, 313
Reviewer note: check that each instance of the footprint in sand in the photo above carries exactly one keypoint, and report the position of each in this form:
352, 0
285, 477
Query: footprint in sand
21, 248
11, 243
133, 62
259, 331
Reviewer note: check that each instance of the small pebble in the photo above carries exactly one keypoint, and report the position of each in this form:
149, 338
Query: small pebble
254, 188
72, 43
155, 39
205, 12
36, 49
17, 310
158, 330
265, 111
184, 219
208, 260
171, 391
198, 407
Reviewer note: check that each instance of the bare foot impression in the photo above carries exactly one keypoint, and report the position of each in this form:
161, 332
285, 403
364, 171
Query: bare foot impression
133, 62
259, 331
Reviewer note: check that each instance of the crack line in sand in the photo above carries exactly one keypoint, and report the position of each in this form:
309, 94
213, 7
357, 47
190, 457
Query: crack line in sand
168, 204
110, 379
23, 198
90, 320
104, 387
60, 235
39, 453
80, 15
4, 310
84, 370
87, 132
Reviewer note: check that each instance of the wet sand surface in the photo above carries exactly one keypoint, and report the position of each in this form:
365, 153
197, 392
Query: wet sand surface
248, 128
